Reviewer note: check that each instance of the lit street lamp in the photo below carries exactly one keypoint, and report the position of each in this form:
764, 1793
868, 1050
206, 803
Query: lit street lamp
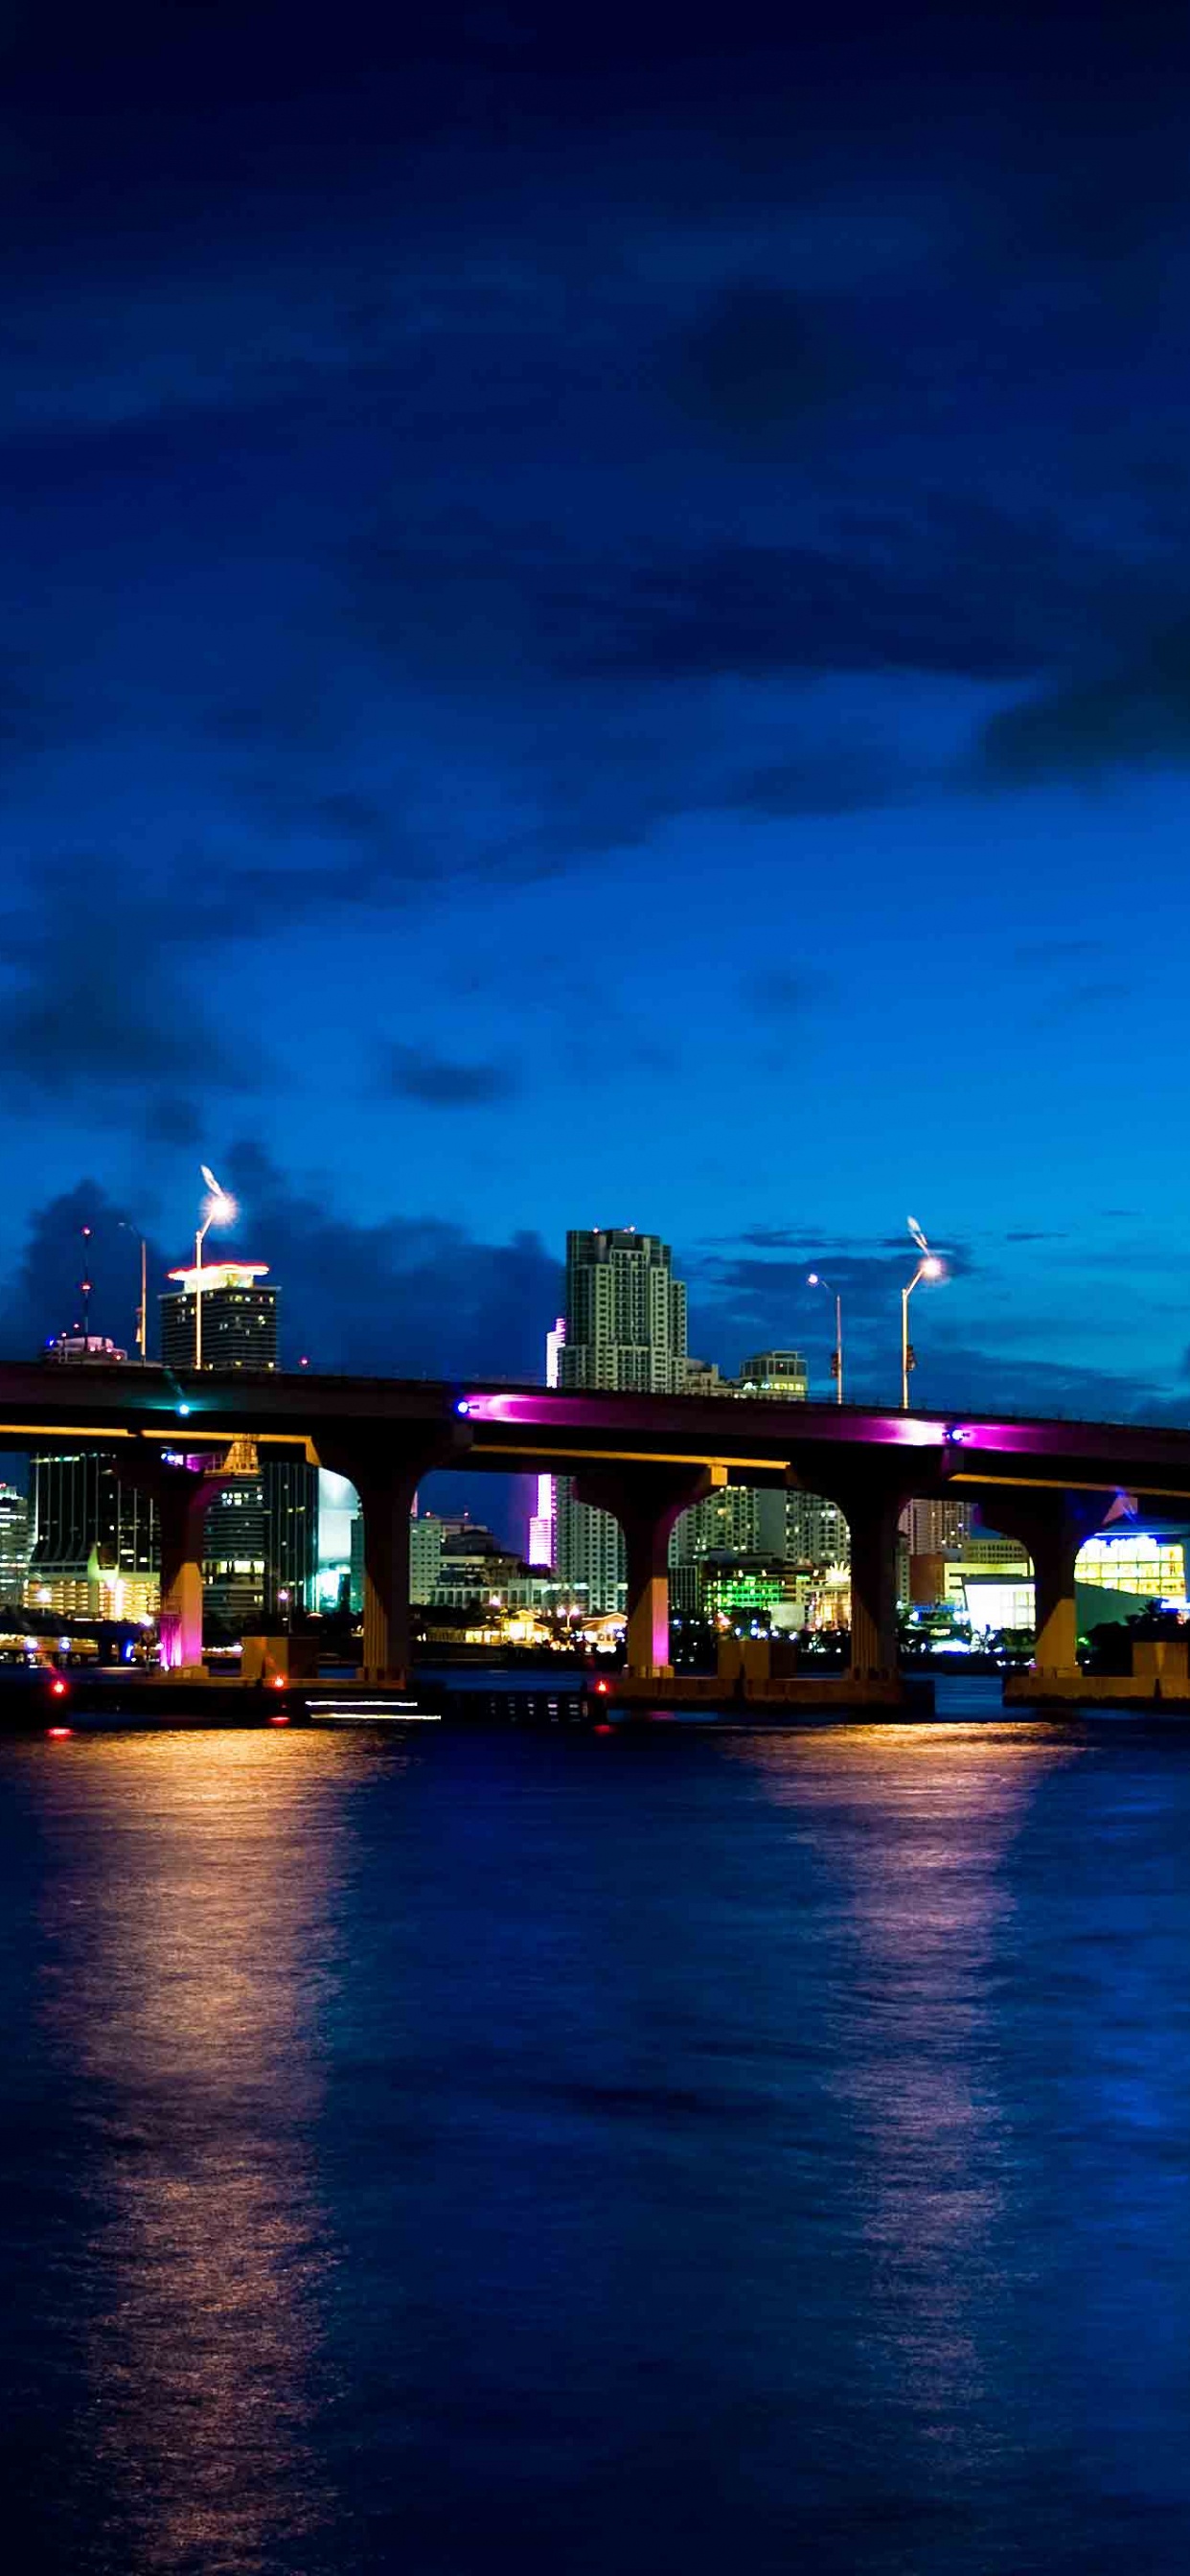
929, 1267
217, 1209
816, 1280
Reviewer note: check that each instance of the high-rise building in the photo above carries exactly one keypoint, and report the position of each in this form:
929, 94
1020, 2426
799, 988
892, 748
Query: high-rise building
260, 1551
95, 1549
14, 1546
625, 1314
816, 1532
239, 1317
543, 1525
933, 1526
736, 1520
625, 1333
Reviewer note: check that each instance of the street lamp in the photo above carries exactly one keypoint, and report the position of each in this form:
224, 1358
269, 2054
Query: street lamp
816, 1280
142, 1312
929, 1267
217, 1209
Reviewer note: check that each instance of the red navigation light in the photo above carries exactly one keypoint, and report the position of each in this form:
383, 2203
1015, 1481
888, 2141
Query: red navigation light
278, 1681
58, 1690
278, 1717
604, 1727
59, 1731
601, 1687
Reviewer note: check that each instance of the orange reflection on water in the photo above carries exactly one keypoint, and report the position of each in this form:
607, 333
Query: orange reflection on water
189, 1976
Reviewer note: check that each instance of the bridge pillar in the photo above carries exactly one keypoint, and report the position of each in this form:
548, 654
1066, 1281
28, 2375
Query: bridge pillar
647, 1500
181, 1520
182, 1490
1051, 1525
873, 1513
386, 1474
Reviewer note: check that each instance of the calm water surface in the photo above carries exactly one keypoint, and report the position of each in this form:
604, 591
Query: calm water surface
557, 2153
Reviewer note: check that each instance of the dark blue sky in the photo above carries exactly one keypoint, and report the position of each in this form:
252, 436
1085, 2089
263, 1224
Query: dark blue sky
598, 632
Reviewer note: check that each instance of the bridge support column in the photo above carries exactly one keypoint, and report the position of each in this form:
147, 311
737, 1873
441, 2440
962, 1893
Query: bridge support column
181, 1520
647, 1500
872, 1518
386, 1476
1052, 1526
182, 1490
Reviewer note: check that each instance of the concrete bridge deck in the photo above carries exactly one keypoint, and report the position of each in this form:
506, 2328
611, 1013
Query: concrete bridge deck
644, 1458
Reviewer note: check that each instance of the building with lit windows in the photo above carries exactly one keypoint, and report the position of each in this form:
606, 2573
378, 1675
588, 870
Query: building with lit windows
625, 1333
239, 1317
14, 1546
775, 1374
94, 1551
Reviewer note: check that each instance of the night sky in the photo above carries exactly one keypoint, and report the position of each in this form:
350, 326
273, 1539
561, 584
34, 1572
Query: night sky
598, 632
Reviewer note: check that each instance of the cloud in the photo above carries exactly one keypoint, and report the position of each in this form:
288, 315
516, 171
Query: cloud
415, 1073
97, 1010
758, 362
1136, 716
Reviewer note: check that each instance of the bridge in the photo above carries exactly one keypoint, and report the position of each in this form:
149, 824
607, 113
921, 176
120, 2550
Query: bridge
643, 1458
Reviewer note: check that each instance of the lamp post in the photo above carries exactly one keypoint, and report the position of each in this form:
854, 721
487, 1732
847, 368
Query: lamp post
217, 1209
816, 1280
142, 1312
929, 1267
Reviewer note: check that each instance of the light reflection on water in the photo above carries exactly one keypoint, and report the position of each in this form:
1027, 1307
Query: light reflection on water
550, 2152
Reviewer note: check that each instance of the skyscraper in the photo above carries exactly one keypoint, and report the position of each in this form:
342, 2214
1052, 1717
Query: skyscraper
625, 1334
625, 1314
239, 1317
95, 1548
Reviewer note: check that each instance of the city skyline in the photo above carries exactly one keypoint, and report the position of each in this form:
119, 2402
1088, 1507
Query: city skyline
619, 654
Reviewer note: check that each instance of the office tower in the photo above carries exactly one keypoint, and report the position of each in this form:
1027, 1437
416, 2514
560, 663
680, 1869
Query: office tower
625, 1334
543, 1525
260, 1546
239, 1317
95, 1551
14, 1546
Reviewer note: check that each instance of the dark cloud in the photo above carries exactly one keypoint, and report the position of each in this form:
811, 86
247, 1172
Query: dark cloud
758, 362
407, 1295
1136, 716
40, 1292
416, 1073
92, 1012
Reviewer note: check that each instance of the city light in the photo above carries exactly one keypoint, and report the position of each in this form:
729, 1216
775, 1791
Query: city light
929, 1267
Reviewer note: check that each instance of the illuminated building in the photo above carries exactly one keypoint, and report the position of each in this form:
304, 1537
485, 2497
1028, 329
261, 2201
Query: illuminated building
260, 1549
744, 1520
816, 1531
931, 1527
83, 1350
625, 1333
1152, 1568
733, 1583
14, 1546
543, 1526
625, 1314
94, 1551
239, 1317
781, 1374
427, 1532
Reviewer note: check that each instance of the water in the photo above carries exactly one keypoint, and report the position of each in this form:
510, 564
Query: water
558, 2153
